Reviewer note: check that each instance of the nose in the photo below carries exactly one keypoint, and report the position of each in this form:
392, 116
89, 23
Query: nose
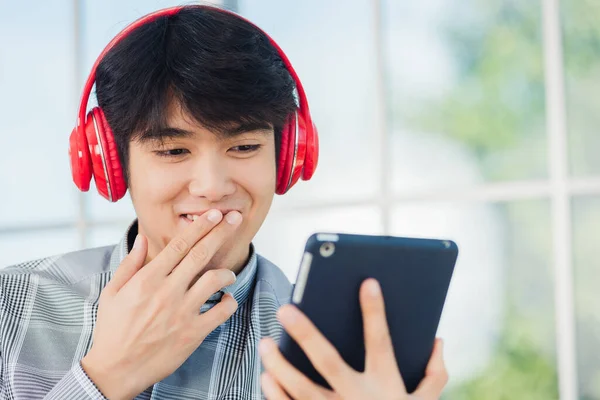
211, 179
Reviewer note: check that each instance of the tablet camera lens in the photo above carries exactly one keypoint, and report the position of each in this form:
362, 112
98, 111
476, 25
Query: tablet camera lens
327, 249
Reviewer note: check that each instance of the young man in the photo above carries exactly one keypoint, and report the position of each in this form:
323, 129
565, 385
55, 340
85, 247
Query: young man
197, 118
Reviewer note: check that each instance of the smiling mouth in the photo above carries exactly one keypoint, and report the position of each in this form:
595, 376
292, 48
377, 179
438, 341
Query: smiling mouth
190, 217
193, 217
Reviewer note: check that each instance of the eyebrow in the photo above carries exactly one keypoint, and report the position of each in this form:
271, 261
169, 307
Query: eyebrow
258, 127
170, 132
166, 133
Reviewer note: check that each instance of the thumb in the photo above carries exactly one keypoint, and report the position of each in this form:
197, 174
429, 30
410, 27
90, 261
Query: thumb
436, 375
130, 265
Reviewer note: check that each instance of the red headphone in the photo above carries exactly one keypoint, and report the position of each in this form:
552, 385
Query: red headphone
93, 151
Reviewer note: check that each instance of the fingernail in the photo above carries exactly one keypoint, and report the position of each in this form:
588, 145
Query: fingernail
136, 243
233, 217
234, 276
374, 288
214, 216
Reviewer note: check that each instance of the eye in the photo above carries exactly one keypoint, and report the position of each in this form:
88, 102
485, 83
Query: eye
172, 152
246, 148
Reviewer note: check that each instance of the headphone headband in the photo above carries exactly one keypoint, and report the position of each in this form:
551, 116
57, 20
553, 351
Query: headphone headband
167, 12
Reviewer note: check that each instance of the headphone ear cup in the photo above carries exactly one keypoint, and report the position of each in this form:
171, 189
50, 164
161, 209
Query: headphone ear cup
80, 162
108, 173
312, 152
286, 155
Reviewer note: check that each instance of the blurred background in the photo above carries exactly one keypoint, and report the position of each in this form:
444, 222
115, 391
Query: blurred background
474, 120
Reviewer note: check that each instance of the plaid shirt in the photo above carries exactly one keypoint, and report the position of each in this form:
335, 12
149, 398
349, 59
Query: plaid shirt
48, 311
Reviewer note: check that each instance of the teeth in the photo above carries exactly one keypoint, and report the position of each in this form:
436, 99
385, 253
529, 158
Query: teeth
191, 217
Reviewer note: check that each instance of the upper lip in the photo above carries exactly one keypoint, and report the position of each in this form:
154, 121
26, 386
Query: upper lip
199, 213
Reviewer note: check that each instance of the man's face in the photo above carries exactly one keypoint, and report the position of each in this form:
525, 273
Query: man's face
191, 173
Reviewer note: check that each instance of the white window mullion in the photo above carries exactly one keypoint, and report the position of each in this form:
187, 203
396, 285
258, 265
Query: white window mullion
382, 128
79, 62
561, 209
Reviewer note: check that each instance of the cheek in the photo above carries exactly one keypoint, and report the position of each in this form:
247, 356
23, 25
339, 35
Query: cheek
151, 181
258, 178
261, 188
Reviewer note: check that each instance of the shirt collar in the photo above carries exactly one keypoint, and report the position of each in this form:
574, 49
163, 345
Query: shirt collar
240, 289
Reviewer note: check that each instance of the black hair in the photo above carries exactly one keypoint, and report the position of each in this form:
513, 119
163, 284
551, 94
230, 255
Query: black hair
223, 71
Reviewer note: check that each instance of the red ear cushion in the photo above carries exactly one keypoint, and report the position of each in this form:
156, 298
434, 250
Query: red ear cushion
102, 163
79, 156
312, 151
286, 155
300, 150
96, 154
114, 169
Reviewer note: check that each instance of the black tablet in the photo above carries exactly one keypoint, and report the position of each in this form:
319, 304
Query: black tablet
414, 275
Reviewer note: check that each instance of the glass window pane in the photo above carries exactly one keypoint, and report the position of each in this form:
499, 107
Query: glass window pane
27, 246
37, 103
106, 235
283, 235
581, 48
331, 48
100, 209
467, 91
498, 322
586, 234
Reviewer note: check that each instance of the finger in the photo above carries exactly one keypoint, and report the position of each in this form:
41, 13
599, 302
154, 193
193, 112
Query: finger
380, 358
202, 252
271, 389
321, 353
436, 374
131, 264
286, 375
179, 247
208, 284
210, 320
